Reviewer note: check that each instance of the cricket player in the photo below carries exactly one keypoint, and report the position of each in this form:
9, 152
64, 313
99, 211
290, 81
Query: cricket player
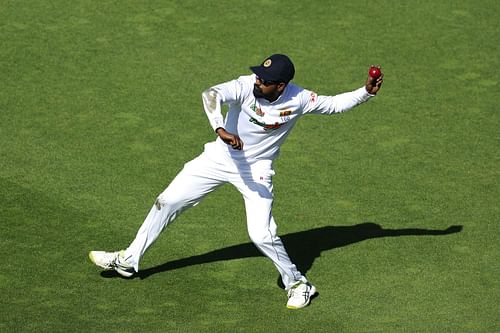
263, 109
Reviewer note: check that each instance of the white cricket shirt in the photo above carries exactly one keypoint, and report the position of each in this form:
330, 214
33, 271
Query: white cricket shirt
262, 125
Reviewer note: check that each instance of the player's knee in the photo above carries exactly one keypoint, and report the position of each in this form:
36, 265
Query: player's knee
166, 200
173, 200
260, 237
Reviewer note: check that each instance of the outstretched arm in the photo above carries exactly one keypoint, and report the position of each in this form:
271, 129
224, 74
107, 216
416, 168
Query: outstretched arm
373, 84
344, 101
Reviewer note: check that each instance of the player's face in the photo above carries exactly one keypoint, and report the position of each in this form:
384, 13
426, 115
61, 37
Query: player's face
267, 89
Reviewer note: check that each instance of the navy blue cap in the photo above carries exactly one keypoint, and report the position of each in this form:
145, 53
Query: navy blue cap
278, 68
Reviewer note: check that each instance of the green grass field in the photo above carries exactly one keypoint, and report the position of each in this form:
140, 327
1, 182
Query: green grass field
392, 210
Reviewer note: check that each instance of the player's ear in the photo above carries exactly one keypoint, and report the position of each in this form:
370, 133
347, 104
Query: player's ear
281, 86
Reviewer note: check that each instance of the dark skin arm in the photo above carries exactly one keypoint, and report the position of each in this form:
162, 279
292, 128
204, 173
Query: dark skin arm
373, 85
229, 138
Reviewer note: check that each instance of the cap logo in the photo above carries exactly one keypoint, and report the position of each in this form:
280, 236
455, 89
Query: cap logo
267, 63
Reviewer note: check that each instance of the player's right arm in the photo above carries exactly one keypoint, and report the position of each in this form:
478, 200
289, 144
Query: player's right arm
229, 138
212, 105
214, 97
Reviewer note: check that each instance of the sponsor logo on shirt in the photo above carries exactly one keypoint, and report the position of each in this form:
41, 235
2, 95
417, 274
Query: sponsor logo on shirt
266, 127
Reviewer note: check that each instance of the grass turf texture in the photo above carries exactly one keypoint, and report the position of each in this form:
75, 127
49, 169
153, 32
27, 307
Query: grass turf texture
100, 107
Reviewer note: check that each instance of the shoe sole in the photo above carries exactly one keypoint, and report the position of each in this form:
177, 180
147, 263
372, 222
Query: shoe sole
312, 292
124, 273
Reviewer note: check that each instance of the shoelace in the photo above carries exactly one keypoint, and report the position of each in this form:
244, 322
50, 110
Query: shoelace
114, 263
292, 292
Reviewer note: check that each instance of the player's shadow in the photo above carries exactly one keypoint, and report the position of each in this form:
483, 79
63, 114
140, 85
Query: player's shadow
303, 247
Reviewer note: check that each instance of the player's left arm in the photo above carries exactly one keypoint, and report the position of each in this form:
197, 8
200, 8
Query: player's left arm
373, 85
319, 104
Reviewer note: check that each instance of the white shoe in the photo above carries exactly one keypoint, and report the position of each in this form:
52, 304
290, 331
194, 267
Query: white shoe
112, 260
299, 295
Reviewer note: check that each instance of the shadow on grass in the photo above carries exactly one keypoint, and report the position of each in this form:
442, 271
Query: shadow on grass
303, 247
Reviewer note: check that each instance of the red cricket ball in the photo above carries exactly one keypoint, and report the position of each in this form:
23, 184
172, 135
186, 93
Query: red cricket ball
374, 72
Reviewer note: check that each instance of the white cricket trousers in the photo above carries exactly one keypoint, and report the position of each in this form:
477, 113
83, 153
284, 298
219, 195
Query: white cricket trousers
200, 177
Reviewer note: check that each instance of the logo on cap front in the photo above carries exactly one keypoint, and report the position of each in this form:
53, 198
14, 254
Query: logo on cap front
267, 63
